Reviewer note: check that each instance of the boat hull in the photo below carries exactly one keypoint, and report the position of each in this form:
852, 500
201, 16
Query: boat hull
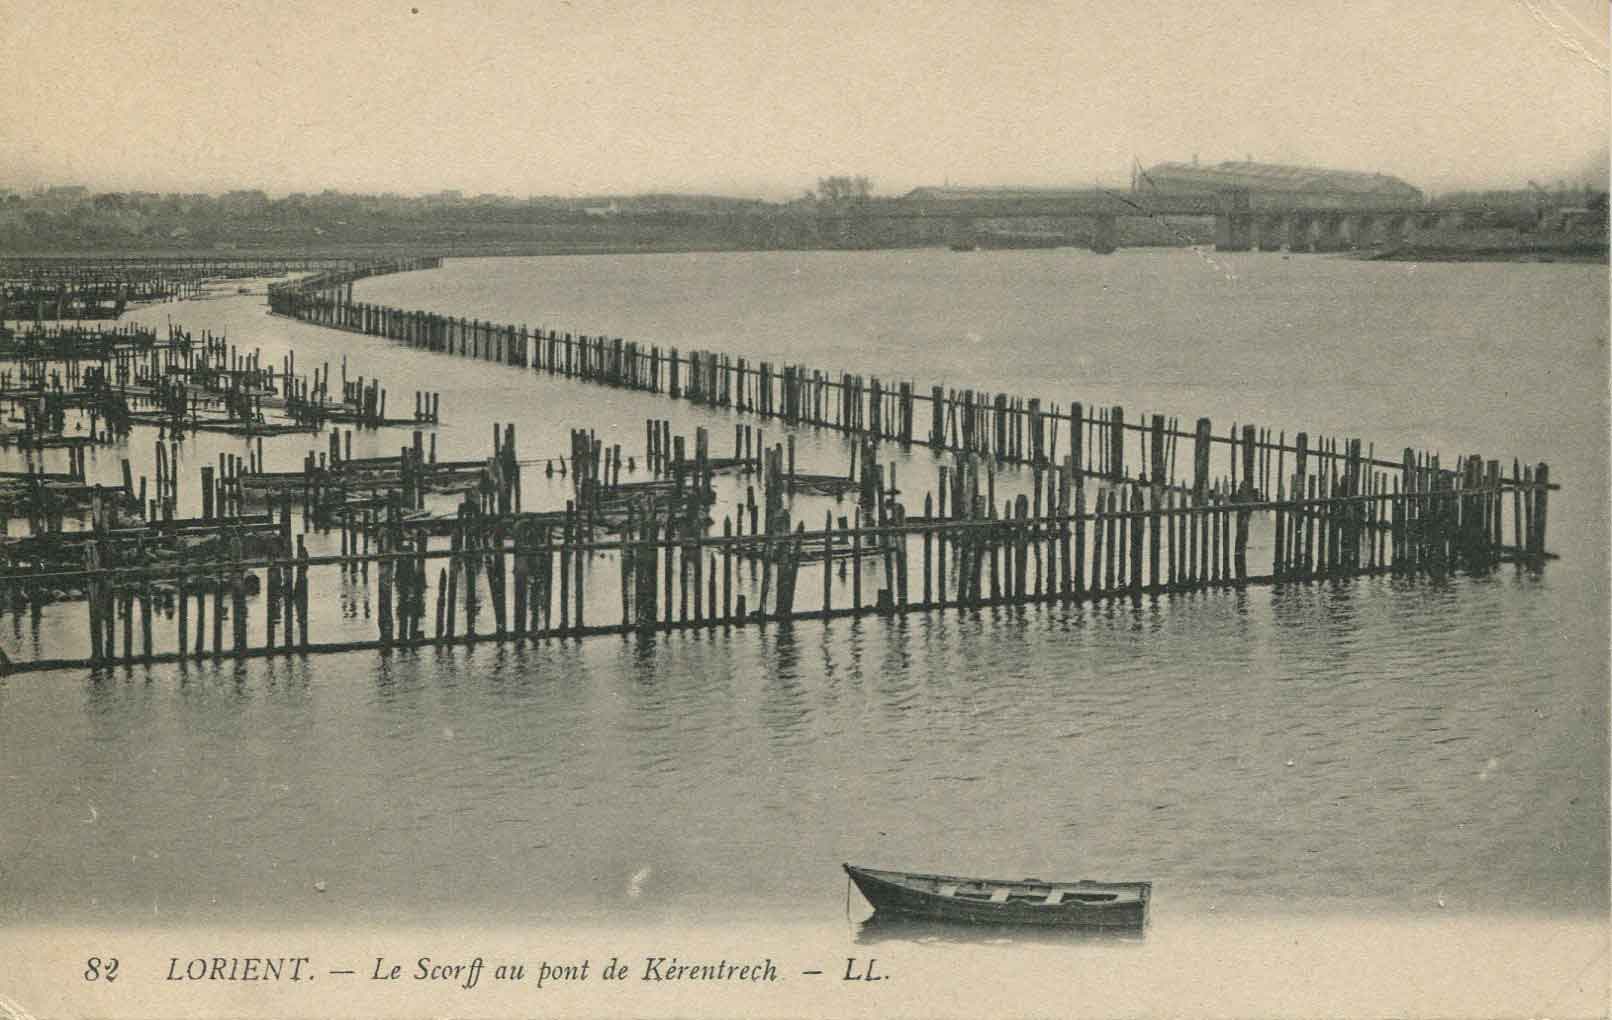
902, 894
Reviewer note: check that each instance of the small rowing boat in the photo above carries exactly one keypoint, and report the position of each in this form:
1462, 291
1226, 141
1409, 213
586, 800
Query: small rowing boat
1082, 904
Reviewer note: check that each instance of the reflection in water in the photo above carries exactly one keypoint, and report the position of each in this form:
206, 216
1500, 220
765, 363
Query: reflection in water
785, 710
881, 927
1339, 738
644, 644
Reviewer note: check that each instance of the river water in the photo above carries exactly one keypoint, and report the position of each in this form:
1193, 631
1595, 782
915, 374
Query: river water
1406, 778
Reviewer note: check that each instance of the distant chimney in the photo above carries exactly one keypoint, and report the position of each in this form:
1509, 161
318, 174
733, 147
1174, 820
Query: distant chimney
1194, 159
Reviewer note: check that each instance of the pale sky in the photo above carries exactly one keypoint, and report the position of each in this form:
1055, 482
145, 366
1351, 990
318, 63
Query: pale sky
576, 97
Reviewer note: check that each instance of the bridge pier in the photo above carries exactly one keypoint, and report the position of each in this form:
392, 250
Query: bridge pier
1367, 229
1234, 232
1234, 224
1104, 234
1348, 232
1242, 221
1299, 229
1270, 232
1329, 234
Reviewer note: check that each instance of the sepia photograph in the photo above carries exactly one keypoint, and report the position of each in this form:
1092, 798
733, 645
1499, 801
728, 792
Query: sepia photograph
749, 509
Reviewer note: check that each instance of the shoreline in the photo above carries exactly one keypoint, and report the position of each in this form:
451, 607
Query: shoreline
1573, 253
1544, 256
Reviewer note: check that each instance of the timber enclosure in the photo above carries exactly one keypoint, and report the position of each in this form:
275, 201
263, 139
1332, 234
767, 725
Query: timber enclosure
1099, 509
41, 288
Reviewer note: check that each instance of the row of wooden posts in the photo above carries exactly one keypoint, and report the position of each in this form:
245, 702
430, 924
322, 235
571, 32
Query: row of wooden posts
1011, 429
182, 377
207, 363
111, 599
41, 301
61, 342
53, 297
135, 268
1090, 527
39, 288
541, 576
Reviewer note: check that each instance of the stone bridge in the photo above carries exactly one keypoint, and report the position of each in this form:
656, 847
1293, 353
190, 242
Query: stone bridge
1244, 221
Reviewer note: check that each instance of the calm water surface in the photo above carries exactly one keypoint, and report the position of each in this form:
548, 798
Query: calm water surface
1411, 750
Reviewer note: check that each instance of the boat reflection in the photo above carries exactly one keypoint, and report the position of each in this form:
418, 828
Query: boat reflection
881, 927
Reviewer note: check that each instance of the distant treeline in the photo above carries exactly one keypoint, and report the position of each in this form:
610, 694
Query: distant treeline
73, 219
70, 217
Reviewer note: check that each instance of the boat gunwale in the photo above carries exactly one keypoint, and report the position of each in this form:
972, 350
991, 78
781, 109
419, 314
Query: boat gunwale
1143, 889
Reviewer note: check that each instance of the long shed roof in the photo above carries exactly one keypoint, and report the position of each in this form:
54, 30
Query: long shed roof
1274, 177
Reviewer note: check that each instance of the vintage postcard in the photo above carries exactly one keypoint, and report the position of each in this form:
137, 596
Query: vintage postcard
749, 509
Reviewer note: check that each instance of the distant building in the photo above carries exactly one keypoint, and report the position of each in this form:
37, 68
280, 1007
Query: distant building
1342, 188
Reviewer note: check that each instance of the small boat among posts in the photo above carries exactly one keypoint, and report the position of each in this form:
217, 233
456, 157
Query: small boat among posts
1031, 901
